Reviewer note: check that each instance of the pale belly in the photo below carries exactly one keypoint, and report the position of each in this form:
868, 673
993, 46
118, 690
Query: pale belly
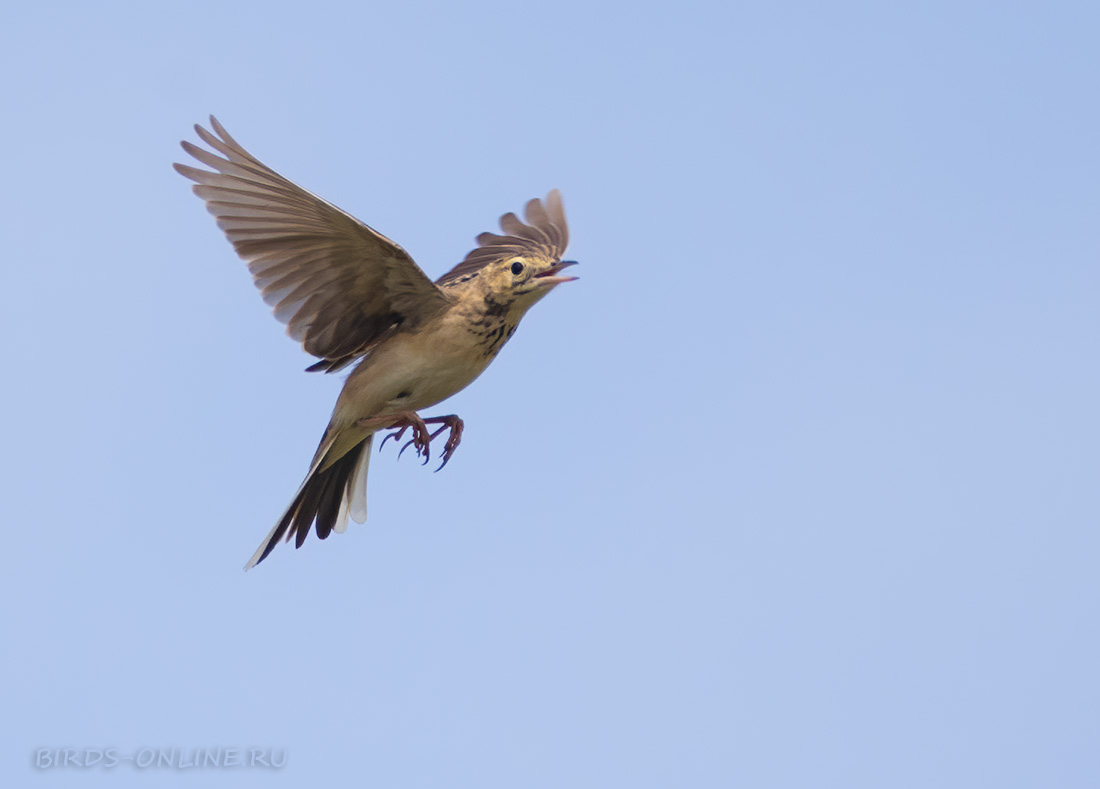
413, 371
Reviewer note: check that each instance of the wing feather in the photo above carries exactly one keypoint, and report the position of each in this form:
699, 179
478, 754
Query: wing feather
336, 283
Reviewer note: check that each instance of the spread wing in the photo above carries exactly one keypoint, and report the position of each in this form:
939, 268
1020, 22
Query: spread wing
337, 284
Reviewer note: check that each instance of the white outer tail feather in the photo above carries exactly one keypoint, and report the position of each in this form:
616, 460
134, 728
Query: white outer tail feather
354, 502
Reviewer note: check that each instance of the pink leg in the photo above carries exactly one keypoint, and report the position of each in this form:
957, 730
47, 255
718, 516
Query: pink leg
422, 440
402, 421
456, 426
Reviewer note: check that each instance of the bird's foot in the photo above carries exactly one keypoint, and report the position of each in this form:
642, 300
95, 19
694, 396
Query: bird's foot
421, 439
456, 426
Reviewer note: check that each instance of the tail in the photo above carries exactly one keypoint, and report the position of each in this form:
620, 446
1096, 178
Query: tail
329, 493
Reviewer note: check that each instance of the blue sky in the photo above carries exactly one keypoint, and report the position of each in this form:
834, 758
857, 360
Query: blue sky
797, 486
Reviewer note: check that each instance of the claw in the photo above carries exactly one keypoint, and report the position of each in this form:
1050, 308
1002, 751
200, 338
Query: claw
448, 450
419, 450
396, 436
420, 437
453, 441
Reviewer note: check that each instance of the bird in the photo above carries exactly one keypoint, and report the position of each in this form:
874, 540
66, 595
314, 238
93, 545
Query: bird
351, 296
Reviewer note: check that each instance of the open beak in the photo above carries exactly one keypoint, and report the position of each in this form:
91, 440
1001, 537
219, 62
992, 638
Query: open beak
548, 277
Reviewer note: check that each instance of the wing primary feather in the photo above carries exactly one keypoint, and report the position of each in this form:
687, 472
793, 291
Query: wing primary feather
319, 263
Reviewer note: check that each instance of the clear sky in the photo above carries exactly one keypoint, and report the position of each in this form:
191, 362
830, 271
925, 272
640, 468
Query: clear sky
796, 487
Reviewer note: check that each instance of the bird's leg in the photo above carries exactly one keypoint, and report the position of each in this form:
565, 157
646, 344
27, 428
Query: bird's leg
401, 422
421, 438
455, 425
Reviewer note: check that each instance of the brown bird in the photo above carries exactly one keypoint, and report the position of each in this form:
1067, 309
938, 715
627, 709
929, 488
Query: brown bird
350, 295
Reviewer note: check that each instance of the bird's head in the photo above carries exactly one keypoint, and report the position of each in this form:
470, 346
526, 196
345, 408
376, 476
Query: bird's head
523, 279
519, 268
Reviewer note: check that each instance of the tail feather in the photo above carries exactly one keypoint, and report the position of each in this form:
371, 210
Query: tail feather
325, 498
357, 501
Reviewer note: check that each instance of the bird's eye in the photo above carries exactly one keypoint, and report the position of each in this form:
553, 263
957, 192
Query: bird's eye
517, 269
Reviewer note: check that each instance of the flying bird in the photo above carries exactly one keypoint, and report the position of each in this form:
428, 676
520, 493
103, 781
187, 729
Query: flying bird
349, 295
